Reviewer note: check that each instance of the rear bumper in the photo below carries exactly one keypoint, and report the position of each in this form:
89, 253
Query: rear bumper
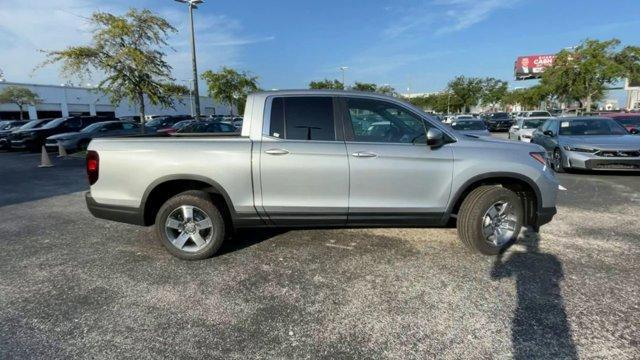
545, 215
123, 214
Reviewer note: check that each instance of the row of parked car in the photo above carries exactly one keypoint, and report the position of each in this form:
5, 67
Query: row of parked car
608, 141
74, 133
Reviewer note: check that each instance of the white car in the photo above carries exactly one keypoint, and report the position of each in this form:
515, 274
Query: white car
537, 113
523, 128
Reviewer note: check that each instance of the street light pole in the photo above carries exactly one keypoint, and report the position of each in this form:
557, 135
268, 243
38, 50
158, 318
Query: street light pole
196, 93
343, 69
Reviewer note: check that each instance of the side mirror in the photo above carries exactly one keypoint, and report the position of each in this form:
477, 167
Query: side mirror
435, 137
548, 133
634, 131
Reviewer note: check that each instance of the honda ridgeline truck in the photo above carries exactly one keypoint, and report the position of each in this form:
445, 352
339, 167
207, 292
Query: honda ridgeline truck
313, 159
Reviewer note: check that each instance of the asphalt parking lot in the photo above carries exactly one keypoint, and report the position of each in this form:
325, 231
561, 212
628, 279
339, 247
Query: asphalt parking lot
72, 286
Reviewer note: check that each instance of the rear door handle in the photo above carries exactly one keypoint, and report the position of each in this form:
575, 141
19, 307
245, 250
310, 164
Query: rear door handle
364, 154
277, 152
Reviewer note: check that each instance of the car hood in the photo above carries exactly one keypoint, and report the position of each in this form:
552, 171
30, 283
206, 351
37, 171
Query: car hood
503, 143
605, 142
474, 132
64, 135
527, 131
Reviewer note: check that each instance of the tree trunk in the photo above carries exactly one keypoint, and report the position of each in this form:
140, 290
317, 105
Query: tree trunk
21, 115
588, 103
142, 112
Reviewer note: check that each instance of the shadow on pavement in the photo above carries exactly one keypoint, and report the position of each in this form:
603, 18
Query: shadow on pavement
244, 238
539, 328
21, 180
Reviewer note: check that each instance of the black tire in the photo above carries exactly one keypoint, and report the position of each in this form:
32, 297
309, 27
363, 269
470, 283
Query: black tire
558, 161
472, 213
202, 201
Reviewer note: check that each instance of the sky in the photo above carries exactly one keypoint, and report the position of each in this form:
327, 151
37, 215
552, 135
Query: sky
408, 44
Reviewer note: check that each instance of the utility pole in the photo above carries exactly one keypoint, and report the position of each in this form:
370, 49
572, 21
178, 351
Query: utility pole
193, 4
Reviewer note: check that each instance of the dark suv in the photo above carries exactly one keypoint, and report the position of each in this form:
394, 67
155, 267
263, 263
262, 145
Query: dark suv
33, 139
6, 127
498, 121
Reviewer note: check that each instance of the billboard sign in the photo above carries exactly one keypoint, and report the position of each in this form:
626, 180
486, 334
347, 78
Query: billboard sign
531, 67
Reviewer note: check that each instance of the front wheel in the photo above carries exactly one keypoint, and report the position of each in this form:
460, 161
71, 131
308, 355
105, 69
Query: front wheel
190, 226
490, 219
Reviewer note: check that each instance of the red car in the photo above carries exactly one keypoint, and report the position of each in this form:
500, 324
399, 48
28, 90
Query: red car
628, 120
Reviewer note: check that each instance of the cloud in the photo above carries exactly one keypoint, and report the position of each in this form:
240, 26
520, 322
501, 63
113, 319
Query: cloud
27, 27
441, 17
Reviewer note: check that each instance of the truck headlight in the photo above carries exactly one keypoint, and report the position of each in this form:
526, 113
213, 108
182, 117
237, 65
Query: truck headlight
579, 149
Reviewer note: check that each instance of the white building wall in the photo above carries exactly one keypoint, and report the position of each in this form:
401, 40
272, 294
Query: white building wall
70, 98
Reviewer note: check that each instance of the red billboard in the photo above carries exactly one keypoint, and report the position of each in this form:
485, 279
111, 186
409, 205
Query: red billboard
532, 66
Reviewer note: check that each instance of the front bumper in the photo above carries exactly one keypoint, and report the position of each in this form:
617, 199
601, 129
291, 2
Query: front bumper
123, 214
545, 215
588, 161
53, 145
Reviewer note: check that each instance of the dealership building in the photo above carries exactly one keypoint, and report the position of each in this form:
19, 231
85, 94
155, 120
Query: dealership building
61, 101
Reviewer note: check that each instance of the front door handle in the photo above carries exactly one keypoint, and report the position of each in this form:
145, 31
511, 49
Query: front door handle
364, 154
277, 152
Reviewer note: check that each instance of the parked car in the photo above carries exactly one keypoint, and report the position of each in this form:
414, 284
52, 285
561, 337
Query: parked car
207, 127
473, 127
6, 127
78, 141
498, 121
165, 122
628, 120
523, 129
177, 126
299, 162
590, 143
33, 139
237, 122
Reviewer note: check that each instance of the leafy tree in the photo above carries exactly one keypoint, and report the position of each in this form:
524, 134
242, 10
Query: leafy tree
583, 73
387, 90
367, 87
127, 50
20, 96
439, 102
465, 92
326, 84
493, 91
529, 98
230, 87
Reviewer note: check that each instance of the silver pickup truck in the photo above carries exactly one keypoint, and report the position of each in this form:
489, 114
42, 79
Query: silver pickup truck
312, 159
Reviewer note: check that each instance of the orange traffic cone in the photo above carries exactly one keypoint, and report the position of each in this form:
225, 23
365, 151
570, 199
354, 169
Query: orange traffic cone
44, 159
62, 152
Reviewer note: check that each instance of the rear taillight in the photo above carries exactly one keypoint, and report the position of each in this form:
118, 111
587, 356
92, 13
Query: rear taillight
539, 157
93, 166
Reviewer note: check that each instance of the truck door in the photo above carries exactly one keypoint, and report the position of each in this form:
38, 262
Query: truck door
395, 178
304, 169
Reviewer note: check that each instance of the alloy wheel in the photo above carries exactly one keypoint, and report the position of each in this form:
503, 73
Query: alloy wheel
499, 223
188, 228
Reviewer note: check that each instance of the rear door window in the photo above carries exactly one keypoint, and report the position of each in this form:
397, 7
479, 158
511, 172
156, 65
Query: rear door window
303, 118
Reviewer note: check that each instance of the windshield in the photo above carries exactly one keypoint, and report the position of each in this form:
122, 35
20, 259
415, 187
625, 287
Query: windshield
533, 124
54, 123
591, 127
6, 125
91, 128
539, 113
629, 120
156, 122
499, 116
468, 125
3, 124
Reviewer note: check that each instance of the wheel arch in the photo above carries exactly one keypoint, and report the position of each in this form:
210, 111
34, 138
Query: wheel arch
524, 186
168, 186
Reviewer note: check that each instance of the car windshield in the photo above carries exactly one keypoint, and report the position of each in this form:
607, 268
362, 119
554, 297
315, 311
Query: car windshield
54, 123
3, 124
539, 113
6, 125
468, 125
499, 116
583, 127
533, 124
156, 122
629, 120
92, 128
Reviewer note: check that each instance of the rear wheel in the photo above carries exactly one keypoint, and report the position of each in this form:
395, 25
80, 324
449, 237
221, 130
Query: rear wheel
490, 219
190, 226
